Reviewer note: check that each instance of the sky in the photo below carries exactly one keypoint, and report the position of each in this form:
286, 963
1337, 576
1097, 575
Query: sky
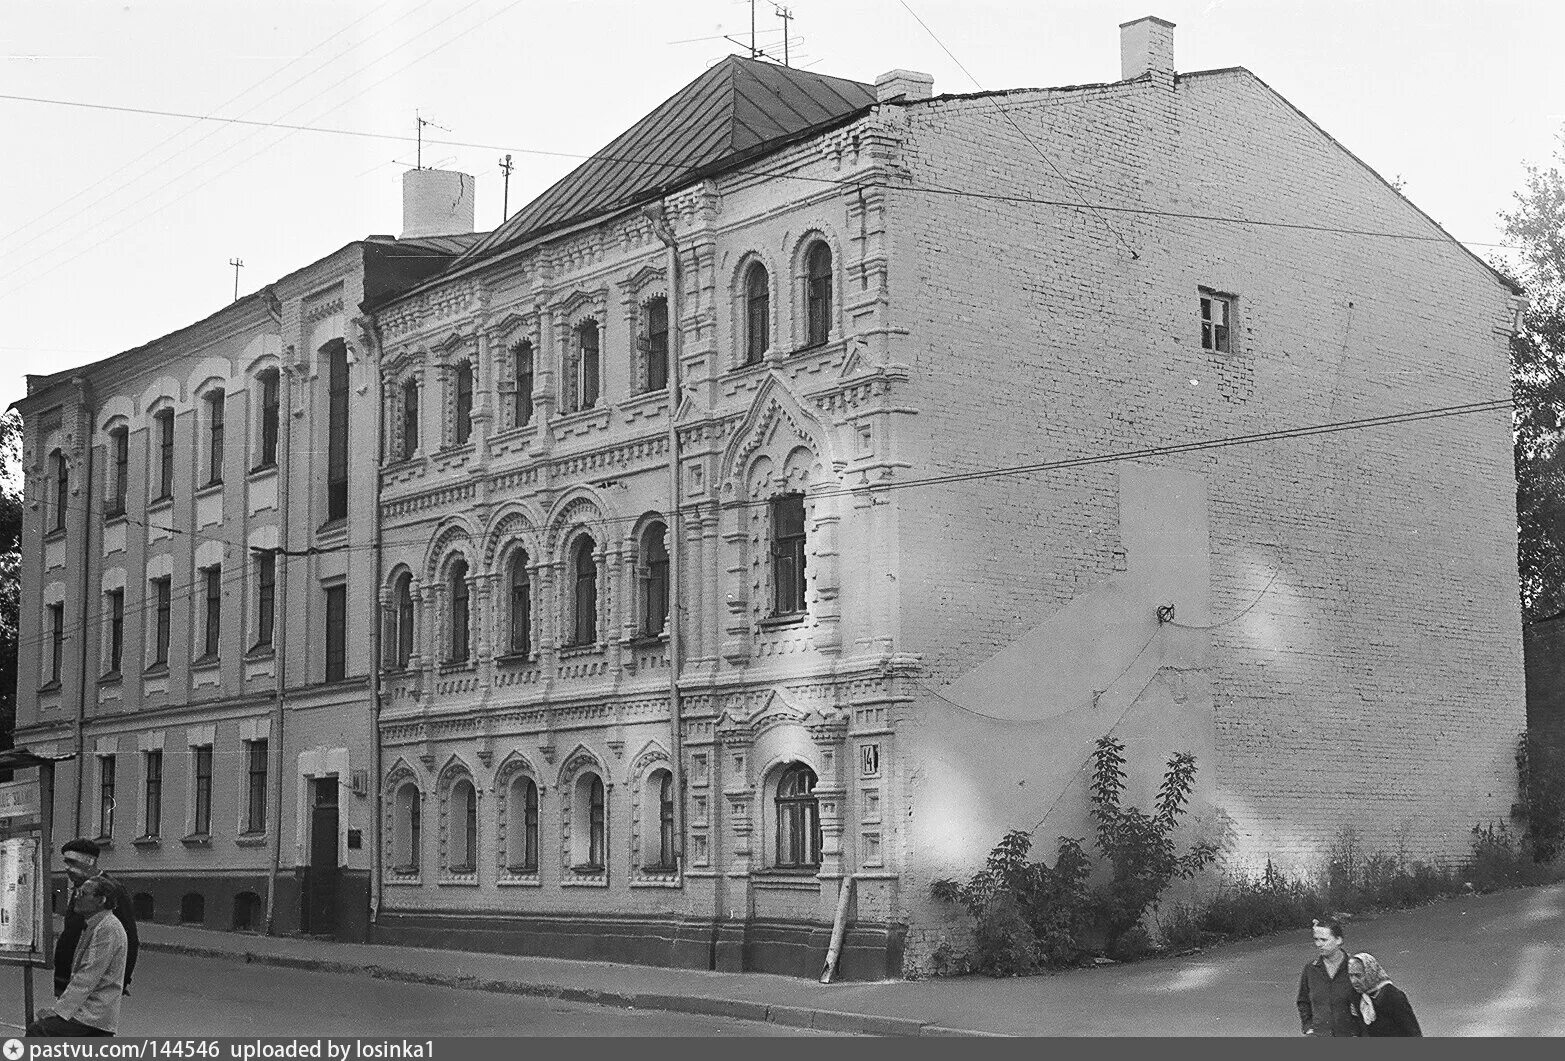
117, 226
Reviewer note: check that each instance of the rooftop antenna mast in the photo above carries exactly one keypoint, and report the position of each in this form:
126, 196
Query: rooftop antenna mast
786, 16
505, 202
423, 121
238, 264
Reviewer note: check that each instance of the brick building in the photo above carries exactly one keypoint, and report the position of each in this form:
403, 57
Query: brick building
197, 582
707, 602
876, 656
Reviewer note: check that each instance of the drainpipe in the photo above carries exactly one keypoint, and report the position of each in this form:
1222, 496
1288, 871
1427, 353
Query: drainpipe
84, 397
654, 212
280, 633
372, 341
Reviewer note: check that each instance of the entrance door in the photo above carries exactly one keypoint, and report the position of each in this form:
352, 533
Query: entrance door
320, 905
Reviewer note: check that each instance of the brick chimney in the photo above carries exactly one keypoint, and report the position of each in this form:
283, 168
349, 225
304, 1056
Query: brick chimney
1146, 46
903, 84
436, 202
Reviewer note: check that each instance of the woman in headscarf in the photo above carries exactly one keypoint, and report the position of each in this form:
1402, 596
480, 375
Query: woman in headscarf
1383, 1006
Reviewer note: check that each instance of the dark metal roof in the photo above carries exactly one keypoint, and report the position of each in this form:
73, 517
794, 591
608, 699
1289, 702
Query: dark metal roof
738, 109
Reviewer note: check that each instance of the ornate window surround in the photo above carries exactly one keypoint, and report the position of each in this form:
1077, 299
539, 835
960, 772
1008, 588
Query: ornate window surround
454, 772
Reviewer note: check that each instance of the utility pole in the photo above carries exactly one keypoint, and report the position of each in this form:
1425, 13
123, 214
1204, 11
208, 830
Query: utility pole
505, 202
238, 265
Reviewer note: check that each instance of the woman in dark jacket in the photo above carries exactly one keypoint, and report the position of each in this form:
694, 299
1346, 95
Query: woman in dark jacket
1383, 1006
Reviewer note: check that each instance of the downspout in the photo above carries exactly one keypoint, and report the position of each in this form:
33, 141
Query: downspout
84, 389
370, 328
654, 212
280, 632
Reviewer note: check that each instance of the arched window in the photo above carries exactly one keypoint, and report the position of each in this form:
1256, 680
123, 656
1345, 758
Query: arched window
62, 487
654, 579
192, 908
757, 313
409, 419
457, 585
589, 834
654, 343
521, 607
584, 627
462, 837
522, 370
119, 483
337, 430
400, 649
817, 294
462, 427
659, 856
165, 442
521, 831
271, 401
587, 364
214, 413
798, 818
407, 819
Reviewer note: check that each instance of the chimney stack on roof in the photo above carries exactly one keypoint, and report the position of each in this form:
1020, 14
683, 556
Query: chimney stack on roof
1146, 46
904, 85
436, 202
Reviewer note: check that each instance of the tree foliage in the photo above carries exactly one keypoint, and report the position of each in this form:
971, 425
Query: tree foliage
1536, 228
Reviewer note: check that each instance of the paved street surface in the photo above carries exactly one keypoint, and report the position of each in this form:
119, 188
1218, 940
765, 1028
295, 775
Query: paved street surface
1480, 965
183, 996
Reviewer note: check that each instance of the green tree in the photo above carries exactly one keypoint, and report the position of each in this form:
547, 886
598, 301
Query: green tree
1536, 228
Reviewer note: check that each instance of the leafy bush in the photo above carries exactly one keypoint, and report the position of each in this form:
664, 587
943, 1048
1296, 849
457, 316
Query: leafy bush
1540, 768
1053, 908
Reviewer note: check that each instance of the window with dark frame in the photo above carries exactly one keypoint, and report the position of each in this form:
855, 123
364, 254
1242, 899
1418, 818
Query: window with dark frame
584, 629
336, 633
116, 608
406, 842
409, 419
165, 421
758, 313
459, 612
270, 403
215, 403
403, 651
522, 371
57, 642
203, 790
213, 619
62, 489
119, 441
656, 343
521, 612
105, 797
788, 554
523, 835
1216, 318
654, 584
265, 598
163, 592
462, 429
587, 360
337, 432
798, 819
152, 795
817, 294
255, 798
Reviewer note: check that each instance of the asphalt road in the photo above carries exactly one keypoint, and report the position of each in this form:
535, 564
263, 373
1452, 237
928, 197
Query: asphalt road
179, 996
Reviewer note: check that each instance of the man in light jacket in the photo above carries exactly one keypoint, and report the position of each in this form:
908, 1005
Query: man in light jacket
90, 1004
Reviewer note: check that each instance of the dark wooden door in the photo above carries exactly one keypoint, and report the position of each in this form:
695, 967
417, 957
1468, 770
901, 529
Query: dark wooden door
320, 909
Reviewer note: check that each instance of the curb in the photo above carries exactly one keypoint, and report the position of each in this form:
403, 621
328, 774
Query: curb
733, 1009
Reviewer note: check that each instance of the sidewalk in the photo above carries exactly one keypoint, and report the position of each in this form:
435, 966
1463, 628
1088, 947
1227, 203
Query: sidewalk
1476, 965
